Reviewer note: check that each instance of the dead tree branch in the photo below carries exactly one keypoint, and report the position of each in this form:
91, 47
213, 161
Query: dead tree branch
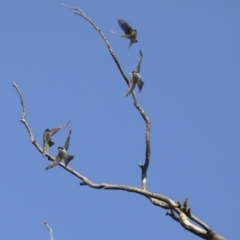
159, 200
50, 230
144, 167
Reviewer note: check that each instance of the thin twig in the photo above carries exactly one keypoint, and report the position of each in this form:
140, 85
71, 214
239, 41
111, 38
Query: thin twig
148, 147
50, 230
200, 223
23, 119
22, 102
79, 12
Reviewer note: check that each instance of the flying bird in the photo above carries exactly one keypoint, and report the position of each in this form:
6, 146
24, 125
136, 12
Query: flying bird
47, 141
62, 154
135, 78
129, 32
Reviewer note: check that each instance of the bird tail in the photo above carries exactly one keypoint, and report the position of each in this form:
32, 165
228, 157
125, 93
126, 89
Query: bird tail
50, 143
68, 160
48, 167
130, 44
140, 85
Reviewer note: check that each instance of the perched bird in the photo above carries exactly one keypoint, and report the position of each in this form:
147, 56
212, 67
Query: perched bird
47, 141
62, 154
129, 32
135, 78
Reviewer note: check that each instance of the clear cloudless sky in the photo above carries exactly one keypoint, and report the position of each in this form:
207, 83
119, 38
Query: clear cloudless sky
191, 70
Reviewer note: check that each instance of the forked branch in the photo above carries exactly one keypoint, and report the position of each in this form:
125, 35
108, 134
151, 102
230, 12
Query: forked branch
144, 167
159, 200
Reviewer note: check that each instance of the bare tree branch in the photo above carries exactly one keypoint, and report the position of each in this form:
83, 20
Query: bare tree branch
156, 199
144, 167
147, 155
159, 200
23, 120
50, 230
79, 12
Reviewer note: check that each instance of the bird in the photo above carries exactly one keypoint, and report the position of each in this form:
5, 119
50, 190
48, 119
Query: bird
135, 78
62, 154
47, 141
129, 32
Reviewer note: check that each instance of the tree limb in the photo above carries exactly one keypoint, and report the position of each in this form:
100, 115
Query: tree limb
156, 199
144, 167
159, 200
50, 230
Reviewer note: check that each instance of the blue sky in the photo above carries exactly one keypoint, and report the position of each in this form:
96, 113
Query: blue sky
191, 94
